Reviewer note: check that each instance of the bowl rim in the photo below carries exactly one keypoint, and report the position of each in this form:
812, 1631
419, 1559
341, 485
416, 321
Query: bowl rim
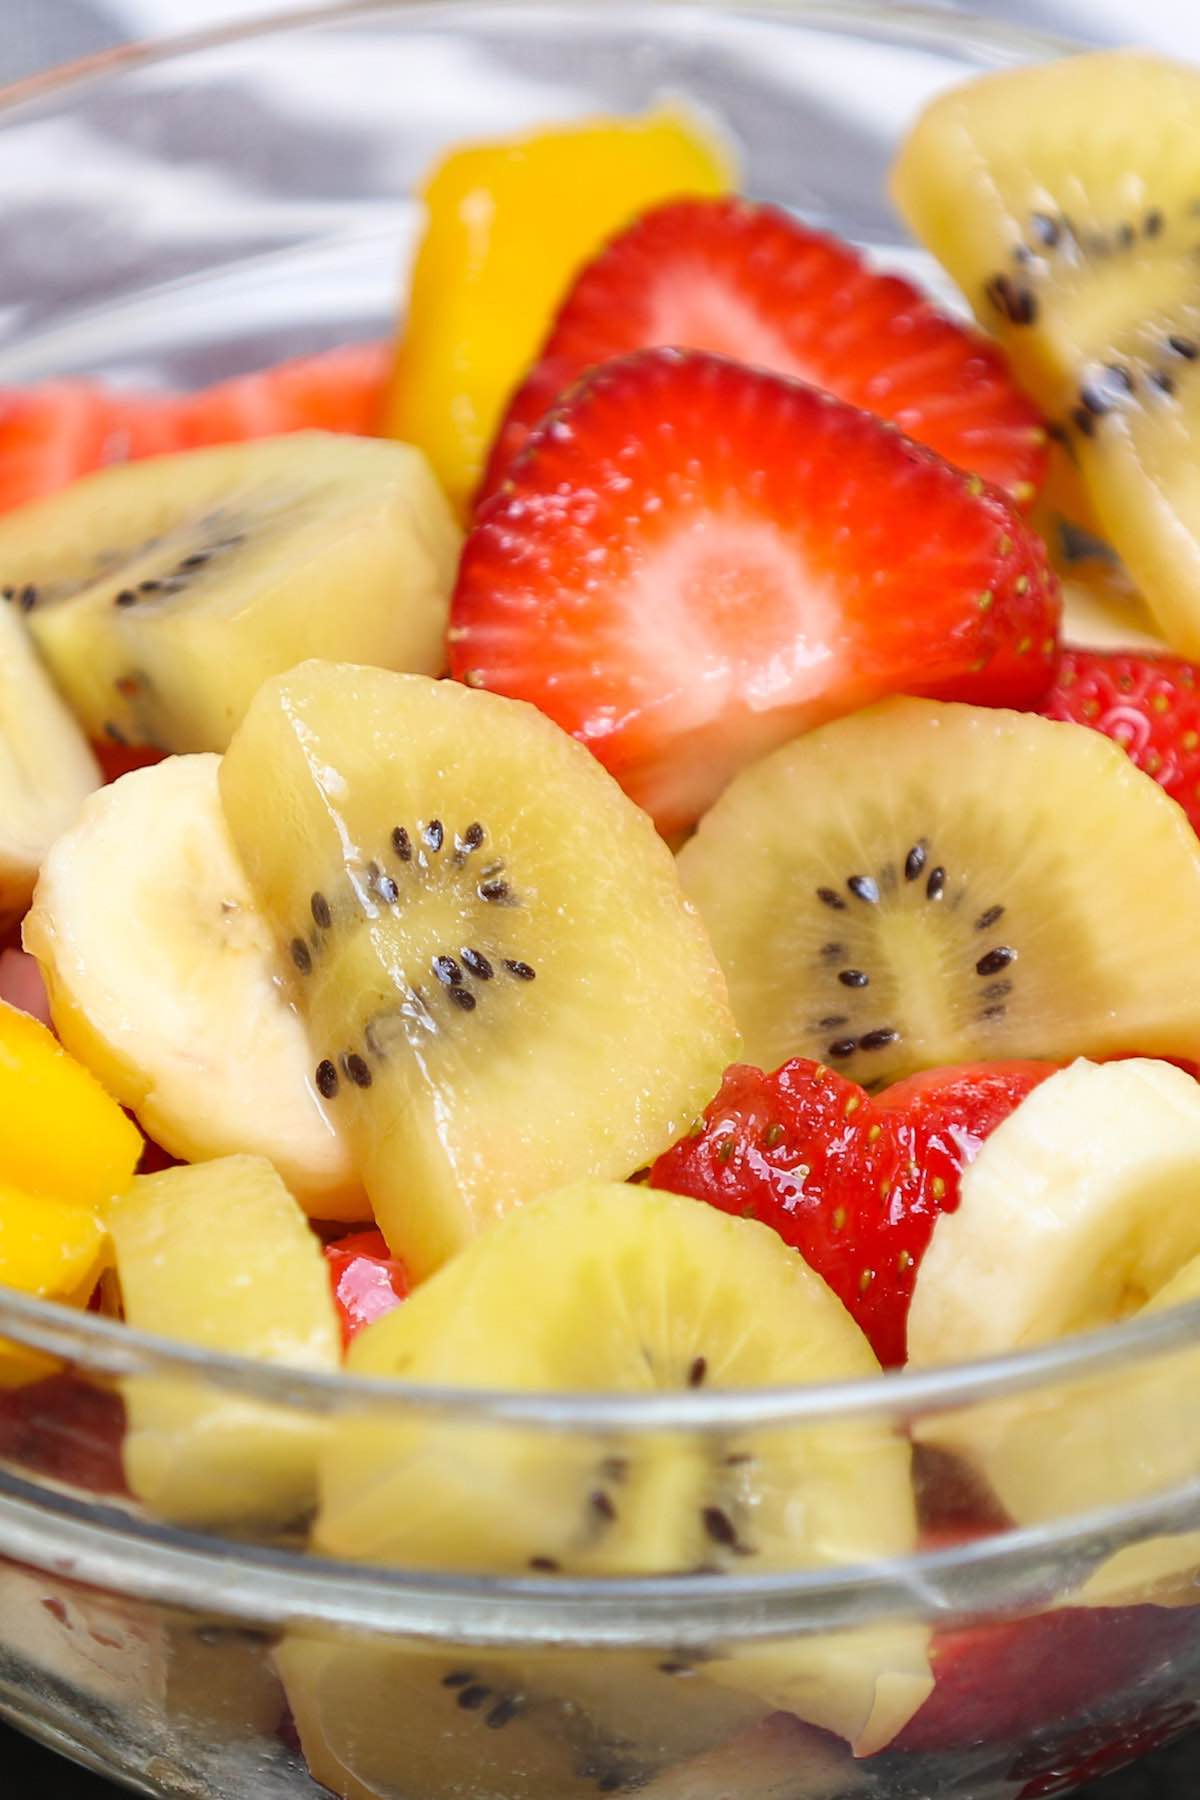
114, 1349
907, 24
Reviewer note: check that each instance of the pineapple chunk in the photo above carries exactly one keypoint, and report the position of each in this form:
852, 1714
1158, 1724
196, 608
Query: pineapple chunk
220, 1256
509, 225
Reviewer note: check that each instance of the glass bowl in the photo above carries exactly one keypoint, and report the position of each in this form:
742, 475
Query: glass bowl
212, 204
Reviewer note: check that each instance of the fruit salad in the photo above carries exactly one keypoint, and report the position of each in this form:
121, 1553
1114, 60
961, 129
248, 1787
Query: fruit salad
640, 842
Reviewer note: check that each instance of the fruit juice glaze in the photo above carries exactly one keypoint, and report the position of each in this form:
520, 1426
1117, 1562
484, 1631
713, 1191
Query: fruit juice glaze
658, 824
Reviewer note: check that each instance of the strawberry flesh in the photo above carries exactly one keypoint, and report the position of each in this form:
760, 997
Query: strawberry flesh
367, 1280
1150, 705
1000, 1682
52, 434
855, 1184
751, 282
339, 390
64, 1430
49, 436
695, 560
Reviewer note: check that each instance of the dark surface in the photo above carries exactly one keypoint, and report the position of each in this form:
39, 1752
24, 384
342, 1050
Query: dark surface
28, 1773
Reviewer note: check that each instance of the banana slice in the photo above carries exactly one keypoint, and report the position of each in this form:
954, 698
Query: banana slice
46, 768
1080, 1210
623, 1289
162, 978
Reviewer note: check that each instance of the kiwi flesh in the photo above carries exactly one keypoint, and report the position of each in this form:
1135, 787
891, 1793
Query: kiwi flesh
404, 1723
163, 593
935, 884
620, 1289
503, 985
1063, 198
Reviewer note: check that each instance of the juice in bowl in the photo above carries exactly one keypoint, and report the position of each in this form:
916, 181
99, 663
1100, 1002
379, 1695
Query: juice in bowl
599, 1024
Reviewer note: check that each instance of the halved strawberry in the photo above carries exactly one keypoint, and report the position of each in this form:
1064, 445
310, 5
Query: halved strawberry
1150, 705
694, 561
855, 1184
63, 1429
368, 1280
338, 390
751, 282
1001, 1682
49, 435
1098, 1750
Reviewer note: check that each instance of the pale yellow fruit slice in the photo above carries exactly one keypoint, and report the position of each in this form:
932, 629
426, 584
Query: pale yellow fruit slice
46, 768
1101, 611
623, 1289
781, 1759
1080, 1211
400, 1723
930, 884
503, 985
220, 1256
1062, 199
162, 976
168, 590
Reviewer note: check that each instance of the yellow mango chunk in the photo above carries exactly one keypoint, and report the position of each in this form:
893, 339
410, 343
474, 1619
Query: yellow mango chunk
509, 224
60, 1134
53, 1249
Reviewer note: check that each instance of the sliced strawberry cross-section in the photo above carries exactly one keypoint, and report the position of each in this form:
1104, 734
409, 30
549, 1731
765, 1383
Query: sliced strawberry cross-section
751, 282
52, 434
855, 1184
49, 435
694, 561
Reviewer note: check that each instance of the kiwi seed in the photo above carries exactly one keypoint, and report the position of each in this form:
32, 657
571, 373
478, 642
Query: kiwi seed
603, 1506
473, 1697
356, 1070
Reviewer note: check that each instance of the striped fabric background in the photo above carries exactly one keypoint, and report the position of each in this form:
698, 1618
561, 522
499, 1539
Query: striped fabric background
37, 33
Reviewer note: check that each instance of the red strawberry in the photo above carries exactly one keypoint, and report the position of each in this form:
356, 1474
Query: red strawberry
367, 1279
855, 1184
695, 560
1150, 705
339, 390
49, 435
119, 759
752, 283
65, 1430
1000, 1682
1098, 1750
